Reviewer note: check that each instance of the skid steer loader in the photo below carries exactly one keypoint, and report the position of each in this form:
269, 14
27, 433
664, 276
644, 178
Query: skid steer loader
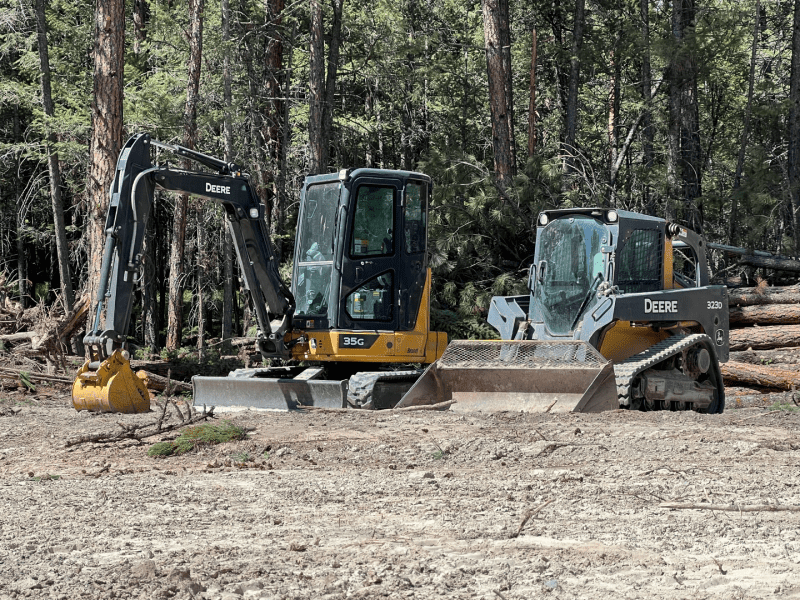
620, 314
356, 313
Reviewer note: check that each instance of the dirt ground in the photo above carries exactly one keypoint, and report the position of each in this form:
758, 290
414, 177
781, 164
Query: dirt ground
386, 504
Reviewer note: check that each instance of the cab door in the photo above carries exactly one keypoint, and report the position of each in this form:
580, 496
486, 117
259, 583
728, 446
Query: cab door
371, 256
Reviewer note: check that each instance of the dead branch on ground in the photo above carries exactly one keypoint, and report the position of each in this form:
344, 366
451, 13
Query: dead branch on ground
530, 514
146, 430
730, 507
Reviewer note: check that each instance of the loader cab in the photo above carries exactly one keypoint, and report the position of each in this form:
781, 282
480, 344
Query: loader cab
361, 252
580, 252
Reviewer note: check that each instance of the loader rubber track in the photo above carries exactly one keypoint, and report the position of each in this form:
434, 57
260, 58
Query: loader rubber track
628, 369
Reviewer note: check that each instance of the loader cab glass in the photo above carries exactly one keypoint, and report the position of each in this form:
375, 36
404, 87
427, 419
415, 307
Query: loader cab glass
316, 229
569, 268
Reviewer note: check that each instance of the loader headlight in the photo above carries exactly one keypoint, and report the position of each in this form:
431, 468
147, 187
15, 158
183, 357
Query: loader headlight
543, 219
253, 213
612, 216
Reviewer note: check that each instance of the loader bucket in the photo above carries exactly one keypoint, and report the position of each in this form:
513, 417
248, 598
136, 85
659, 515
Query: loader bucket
525, 376
110, 386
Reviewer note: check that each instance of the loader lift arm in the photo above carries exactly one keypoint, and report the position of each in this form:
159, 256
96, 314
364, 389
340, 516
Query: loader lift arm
131, 199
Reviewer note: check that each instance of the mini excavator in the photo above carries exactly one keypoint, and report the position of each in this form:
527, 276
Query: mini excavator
358, 310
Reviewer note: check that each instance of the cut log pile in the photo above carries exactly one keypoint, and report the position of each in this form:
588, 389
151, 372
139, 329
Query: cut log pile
764, 337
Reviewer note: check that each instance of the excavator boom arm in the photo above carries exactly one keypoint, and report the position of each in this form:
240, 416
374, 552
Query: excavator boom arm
131, 200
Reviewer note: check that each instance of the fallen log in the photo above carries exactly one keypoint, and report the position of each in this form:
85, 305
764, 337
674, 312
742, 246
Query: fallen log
782, 356
20, 336
160, 384
760, 375
765, 338
766, 314
760, 295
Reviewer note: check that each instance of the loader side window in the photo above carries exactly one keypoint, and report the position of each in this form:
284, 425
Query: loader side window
372, 301
373, 225
415, 217
640, 262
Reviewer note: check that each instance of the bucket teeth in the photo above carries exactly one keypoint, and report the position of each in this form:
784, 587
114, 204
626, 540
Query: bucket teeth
113, 387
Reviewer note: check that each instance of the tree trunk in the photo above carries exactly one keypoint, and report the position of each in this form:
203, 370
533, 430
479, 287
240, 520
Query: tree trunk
322, 85
149, 304
106, 141
62, 250
571, 119
766, 314
778, 356
647, 125
794, 127
737, 177
685, 151
532, 102
275, 124
758, 296
227, 243
139, 32
22, 267
765, 338
176, 280
330, 77
318, 151
495, 25
613, 119
202, 261
760, 375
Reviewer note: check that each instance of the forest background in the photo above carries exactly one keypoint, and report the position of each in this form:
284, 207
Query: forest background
688, 110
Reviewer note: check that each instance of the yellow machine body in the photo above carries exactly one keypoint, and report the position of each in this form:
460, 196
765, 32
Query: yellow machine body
420, 345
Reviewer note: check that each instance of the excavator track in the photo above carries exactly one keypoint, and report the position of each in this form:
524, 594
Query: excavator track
627, 370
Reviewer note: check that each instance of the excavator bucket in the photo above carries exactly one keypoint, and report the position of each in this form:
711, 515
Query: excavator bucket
525, 376
110, 386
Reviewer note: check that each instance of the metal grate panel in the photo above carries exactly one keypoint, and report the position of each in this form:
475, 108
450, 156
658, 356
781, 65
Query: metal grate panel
529, 354
640, 262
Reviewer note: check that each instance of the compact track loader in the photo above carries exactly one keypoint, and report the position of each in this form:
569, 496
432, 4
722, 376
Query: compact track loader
620, 314
357, 311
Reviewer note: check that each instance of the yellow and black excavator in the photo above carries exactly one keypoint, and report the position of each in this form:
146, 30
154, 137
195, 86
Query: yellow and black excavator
357, 311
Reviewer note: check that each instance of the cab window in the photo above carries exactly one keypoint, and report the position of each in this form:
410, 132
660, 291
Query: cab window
415, 217
373, 225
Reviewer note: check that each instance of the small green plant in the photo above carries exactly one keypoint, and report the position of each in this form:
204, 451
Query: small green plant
438, 455
25, 380
47, 477
194, 437
143, 353
241, 457
784, 406
265, 456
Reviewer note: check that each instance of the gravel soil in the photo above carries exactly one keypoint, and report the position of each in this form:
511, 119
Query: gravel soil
362, 504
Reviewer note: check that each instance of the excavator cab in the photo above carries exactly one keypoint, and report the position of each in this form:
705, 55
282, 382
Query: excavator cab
620, 313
